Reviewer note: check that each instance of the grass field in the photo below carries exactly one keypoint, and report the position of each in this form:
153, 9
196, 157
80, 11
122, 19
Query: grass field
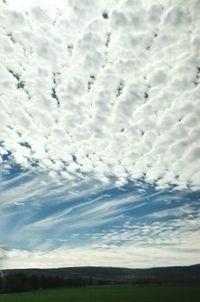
115, 293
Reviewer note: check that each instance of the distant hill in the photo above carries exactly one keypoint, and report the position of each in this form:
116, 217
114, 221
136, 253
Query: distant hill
114, 274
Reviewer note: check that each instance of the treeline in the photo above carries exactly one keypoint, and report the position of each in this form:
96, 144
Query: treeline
19, 282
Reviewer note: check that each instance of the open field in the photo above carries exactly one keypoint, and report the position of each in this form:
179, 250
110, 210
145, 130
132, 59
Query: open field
115, 293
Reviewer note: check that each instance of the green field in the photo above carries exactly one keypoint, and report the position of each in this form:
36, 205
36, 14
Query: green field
115, 293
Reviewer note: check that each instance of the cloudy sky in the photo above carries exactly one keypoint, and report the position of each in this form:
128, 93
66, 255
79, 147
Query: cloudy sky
99, 133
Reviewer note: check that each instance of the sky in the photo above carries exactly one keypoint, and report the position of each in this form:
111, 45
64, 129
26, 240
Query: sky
99, 133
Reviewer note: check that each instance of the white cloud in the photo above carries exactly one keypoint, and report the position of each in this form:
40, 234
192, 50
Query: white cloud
126, 256
119, 93
29, 188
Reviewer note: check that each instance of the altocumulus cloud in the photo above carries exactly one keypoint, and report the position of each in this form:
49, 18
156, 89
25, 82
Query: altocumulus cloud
97, 95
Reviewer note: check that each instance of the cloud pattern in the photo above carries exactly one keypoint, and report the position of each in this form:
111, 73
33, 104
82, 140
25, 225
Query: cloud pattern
107, 90
128, 226
100, 130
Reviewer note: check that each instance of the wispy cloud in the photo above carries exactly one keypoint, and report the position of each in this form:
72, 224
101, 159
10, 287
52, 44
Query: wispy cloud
107, 217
